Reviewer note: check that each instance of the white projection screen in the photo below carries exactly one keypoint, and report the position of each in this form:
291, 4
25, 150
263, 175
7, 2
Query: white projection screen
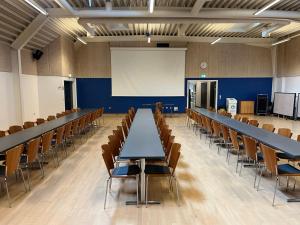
284, 103
148, 71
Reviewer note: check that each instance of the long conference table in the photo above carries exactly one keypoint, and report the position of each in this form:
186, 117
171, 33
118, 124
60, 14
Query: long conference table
23, 136
284, 144
143, 143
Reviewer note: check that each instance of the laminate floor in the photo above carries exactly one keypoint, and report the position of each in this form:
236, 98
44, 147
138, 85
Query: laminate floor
211, 192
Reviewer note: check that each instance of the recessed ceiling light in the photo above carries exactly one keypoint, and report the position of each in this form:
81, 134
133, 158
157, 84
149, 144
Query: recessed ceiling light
37, 7
214, 42
266, 7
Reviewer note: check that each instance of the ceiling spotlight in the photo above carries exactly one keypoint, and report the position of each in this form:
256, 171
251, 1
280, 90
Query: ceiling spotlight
266, 7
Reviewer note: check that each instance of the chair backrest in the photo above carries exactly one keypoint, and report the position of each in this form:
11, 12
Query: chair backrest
106, 154
13, 159
253, 123
169, 146
115, 145
225, 133
14, 129
237, 117
68, 129
33, 148
174, 156
270, 158
59, 135
208, 125
119, 133
81, 123
58, 115
40, 121
268, 127
286, 132
128, 121
234, 139
28, 124
216, 128
74, 110
2, 133
298, 138
67, 112
51, 117
245, 120
125, 128
166, 136
250, 147
46, 141
75, 125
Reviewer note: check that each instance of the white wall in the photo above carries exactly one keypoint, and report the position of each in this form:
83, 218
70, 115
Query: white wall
286, 84
29, 97
9, 100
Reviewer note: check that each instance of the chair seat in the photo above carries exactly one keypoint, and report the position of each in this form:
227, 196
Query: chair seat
287, 169
126, 170
24, 159
283, 155
157, 169
2, 170
260, 157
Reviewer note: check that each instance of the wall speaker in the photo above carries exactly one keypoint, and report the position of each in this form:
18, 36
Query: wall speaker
37, 54
162, 45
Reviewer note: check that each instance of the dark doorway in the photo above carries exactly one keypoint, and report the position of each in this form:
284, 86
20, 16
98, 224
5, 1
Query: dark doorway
68, 94
204, 95
213, 86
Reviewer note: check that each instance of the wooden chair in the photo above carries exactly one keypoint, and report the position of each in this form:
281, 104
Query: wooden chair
51, 117
285, 170
59, 115
236, 146
58, 141
285, 132
164, 171
251, 153
11, 166
119, 133
75, 128
40, 121
169, 148
237, 117
46, 147
2, 133
14, 129
125, 128
31, 156
268, 127
216, 134
67, 137
67, 112
298, 138
245, 120
225, 137
121, 172
28, 124
253, 123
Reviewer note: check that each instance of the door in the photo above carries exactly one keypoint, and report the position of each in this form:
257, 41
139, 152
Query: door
68, 94
203, 103
213, 91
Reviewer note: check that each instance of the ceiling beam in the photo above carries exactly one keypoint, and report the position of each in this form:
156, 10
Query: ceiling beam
195, 10
29, 32
261, 41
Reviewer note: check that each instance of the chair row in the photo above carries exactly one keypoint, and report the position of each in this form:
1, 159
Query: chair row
37, 150
247, 149
130, 169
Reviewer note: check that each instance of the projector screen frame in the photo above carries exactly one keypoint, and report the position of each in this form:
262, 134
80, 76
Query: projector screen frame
294, 103
179, 51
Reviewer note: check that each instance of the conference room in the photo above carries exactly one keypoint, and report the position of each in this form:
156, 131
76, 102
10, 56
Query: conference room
149, 112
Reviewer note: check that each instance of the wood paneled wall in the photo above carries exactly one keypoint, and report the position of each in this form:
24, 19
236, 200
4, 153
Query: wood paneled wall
228, 60
5, 58
224, 60
29, 66
288, 58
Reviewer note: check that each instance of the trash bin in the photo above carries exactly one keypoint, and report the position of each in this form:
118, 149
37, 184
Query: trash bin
231, 106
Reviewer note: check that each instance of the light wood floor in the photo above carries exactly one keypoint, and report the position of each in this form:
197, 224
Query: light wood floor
211, 191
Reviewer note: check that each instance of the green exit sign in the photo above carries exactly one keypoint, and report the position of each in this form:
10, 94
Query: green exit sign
203, 76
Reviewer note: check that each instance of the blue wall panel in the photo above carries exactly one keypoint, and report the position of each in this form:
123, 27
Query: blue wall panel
96, 92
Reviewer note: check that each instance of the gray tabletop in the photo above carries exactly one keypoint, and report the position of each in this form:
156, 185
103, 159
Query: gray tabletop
143, 140
23, 136
287, 145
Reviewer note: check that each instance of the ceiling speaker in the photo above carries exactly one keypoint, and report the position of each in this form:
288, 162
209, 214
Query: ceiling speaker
37, 54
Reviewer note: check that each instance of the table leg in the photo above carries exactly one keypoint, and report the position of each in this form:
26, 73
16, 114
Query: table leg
143, 162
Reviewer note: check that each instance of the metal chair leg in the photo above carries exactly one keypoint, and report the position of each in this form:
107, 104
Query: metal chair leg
256, 166
237, 162
28, 178
137, 190
22, 176
177, 191
146, 190
261, 171
275, 191
242, 165
106, 192
41, 167
7, 193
